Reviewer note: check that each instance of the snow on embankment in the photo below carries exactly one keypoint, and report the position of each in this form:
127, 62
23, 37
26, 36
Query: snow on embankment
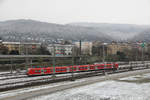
70, 85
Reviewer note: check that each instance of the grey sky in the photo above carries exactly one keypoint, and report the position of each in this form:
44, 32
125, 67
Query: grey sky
66, 11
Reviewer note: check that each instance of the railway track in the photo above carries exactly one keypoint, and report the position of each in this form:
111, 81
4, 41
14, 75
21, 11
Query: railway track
30, 79
12, 77
24, 81
11, 74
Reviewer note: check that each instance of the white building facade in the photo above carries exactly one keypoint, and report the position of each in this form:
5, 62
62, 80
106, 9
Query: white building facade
60, 49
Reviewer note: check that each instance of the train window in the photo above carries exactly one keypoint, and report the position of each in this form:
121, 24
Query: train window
45, 70
37, 71
74, 68
82, 68
60, 69
92, 66
51, 70
37, 66
33, 67
63, 69
99, 66
42, 70
57, 69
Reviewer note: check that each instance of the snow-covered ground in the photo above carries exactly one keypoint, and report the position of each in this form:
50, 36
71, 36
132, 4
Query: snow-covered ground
130, 88
32, 89
6, 72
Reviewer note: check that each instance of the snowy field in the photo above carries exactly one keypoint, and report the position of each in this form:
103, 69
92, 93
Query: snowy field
32, 89
129, 88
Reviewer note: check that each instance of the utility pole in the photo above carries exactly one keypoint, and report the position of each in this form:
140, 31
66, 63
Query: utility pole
142, 46
72, 74
54, 53
31, 62
142, 55
26, 52
136, 55
136, 59
103, 53
11, 69
80, 43
104, 58
80, 47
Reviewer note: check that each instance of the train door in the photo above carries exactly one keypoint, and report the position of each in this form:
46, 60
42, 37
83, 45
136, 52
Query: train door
42, 71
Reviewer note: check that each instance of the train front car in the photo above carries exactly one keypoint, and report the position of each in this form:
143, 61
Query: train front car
28, 72
33, 71
39, 71
116, 66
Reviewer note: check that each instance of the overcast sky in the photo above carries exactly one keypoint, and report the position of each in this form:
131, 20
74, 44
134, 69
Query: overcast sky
67, 11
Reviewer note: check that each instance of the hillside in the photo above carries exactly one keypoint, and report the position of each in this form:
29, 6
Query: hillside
143, 36
117, 31
36, 31
30, 30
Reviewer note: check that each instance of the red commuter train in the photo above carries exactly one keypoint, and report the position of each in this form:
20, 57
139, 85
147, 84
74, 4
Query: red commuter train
67, 69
